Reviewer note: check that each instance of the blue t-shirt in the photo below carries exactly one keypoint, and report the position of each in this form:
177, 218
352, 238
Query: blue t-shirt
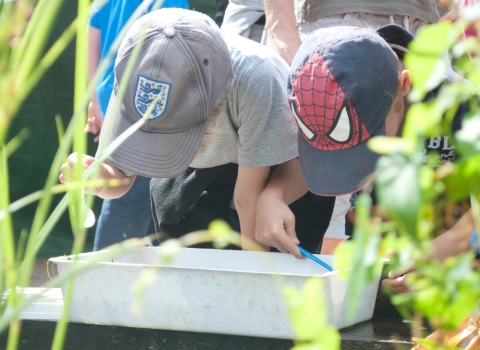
110, 19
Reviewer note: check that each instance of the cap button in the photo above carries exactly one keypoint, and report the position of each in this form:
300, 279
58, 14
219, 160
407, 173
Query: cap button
169, 32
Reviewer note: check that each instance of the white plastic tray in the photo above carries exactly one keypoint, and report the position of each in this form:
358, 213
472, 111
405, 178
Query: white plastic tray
206, 290
46, 308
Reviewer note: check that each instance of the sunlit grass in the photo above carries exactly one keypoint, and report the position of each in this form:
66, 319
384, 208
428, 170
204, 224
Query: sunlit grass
23, 40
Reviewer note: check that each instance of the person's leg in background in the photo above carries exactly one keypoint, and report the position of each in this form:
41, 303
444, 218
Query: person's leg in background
125, 217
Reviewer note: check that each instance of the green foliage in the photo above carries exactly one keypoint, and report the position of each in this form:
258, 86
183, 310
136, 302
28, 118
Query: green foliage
468, 138
464, 178
433, 345
172, 249
309, 317
443, 292
389, 145
24, 59
424, 61
360, 260
220, 232
146, 279
412, 187
398, 189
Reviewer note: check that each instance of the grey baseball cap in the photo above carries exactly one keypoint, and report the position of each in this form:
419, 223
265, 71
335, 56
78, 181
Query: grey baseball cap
183, 72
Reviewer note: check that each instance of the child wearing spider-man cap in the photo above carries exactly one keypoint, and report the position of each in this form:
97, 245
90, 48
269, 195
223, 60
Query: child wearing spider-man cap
345, 86
343, 83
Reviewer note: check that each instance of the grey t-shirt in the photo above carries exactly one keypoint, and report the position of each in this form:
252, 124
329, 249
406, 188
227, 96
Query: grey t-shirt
311, 10
256, 128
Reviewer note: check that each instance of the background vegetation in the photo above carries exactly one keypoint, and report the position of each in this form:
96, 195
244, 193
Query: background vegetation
30, 164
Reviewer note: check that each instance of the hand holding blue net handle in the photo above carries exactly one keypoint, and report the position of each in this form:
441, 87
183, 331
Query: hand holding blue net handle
314, 258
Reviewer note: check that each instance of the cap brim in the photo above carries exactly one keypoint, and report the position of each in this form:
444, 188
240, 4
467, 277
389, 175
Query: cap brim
153, 154
397, 36
335, 173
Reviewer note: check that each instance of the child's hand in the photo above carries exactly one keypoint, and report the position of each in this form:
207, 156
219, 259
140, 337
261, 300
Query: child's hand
397, 280
67, 168
107, 172
275, 226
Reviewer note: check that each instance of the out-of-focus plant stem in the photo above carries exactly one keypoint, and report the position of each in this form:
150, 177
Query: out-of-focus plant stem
80, 147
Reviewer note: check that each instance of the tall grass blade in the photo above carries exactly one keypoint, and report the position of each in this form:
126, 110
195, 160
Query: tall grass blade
8, 252
60, 128
16, 142
40, 227
79, 146
35, 38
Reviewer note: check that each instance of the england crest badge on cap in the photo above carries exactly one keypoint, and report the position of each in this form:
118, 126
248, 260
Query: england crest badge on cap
148, 91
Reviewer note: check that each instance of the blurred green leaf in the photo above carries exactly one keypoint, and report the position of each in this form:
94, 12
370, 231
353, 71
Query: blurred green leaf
220, 232
388, 145
308, 312
422, 119
468, 137
147, 278
60, 128
464, 179
432, 40
433, 345
16, 142
364, 269
171, 250
425, 57
398, 190
445, 293
427, 178
343, 259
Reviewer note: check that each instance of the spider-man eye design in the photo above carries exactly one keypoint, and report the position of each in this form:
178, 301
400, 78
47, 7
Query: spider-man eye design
309, 134
341, 130
326, 119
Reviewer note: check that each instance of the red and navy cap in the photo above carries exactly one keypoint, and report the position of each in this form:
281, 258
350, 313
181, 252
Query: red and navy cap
341, 86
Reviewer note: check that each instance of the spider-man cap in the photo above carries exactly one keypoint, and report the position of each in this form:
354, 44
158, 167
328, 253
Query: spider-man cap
182, 72
341, 86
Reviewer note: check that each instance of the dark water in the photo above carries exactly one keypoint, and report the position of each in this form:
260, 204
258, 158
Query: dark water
29, 166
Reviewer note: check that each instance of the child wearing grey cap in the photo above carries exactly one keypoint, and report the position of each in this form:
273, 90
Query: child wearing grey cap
189, 81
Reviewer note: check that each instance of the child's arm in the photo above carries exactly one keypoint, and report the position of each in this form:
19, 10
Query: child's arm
107, 172
250, 183
282, 32
275, 224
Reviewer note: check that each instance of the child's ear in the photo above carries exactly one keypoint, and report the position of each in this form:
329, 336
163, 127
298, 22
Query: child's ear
405, 82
